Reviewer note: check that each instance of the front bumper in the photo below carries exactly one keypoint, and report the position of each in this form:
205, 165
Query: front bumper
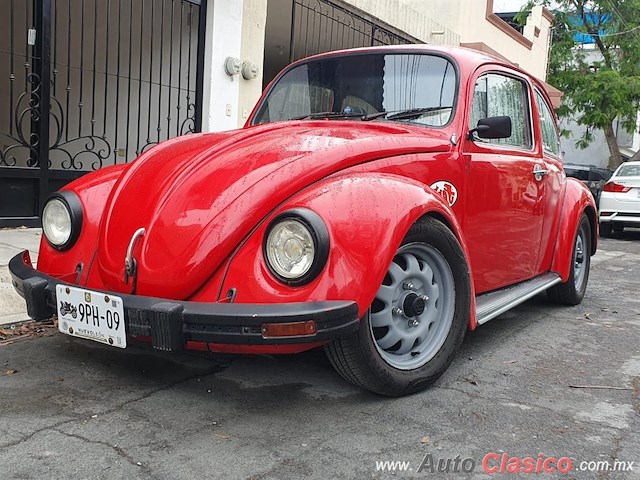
170, 323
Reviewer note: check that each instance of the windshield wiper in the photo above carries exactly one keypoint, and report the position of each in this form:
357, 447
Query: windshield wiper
312, 116
389, 115
330, 115
413, 112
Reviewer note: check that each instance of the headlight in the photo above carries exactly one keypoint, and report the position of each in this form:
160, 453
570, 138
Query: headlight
62, 220
296, 246
290, 249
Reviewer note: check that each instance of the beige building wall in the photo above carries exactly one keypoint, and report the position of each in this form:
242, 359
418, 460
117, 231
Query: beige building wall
480, 28
528, 50
254, 17
411, 19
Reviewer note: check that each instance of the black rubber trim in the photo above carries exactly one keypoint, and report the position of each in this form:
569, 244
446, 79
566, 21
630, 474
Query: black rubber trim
322, 243
170, 323
74, 206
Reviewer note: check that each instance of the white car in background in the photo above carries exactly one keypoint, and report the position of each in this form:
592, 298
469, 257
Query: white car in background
620, 199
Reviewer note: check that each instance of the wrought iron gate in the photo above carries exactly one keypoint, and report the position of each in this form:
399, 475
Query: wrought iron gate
89, 83
319, 26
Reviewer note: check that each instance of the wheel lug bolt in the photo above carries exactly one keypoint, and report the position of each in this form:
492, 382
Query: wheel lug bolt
397, 311
408, 286
424, 297
413, 322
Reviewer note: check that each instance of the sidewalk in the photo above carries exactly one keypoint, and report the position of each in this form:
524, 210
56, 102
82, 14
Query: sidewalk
12, 242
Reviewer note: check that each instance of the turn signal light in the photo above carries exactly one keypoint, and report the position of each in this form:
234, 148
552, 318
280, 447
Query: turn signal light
615, 187
290, 329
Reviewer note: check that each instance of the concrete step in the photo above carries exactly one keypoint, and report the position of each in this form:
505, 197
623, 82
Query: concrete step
12, 242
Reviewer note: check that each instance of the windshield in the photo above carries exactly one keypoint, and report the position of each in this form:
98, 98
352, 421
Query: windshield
408, 87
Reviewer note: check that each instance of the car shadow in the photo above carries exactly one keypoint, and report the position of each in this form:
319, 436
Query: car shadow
629, 234
257, 378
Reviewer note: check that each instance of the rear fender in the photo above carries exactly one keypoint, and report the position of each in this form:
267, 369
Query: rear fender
367, 217
577, 200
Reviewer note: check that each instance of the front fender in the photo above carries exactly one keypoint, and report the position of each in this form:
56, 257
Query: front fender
74, 264
367, 216
577, 200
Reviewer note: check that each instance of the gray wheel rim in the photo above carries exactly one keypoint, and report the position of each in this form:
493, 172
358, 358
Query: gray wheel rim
579, 260
408, 342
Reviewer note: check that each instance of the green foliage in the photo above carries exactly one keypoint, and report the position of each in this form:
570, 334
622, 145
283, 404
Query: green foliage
600, 87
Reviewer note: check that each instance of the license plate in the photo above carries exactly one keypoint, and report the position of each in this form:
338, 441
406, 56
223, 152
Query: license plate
91, 315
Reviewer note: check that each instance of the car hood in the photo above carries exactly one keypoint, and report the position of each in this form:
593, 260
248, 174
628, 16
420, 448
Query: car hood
198, 196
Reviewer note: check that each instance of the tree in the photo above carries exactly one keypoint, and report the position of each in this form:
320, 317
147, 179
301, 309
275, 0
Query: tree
596, 91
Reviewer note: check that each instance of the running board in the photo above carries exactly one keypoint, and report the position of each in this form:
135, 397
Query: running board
490, 305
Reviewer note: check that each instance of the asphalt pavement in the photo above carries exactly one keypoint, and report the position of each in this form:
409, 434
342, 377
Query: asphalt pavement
539, 381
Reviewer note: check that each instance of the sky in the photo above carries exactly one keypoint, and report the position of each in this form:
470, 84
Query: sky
508, 5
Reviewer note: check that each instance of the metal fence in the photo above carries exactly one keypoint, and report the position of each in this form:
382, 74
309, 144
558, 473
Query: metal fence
321, 26
91, 83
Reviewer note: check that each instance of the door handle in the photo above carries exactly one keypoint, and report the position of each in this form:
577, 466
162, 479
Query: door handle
539, 172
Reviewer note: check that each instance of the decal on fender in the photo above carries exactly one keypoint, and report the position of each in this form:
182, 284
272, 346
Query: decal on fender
446, 190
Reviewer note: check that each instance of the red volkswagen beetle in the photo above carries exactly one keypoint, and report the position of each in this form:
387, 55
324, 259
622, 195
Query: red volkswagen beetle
379, 202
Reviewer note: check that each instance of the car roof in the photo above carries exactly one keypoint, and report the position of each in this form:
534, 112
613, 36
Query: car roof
580, 166
576, 166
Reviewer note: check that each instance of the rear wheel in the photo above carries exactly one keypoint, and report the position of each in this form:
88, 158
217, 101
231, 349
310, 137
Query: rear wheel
416, 323
572, 291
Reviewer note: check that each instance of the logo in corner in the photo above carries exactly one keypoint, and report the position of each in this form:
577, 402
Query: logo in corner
446, 190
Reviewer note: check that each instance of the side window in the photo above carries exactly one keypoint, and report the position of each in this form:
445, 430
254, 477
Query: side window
550, 138
495, 95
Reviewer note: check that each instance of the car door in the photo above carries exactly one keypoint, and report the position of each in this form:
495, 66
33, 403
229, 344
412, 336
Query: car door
505, 198
553, 180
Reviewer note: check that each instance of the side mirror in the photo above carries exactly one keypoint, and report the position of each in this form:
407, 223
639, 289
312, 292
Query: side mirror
492, 127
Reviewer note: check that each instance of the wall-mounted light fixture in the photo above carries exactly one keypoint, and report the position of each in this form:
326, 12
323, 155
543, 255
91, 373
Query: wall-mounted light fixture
232, 66
249, 70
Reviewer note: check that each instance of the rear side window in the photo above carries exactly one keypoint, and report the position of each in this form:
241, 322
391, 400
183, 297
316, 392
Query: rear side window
496, 95
550, 138
629, 171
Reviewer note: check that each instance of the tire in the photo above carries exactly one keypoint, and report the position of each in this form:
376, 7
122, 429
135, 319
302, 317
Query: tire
428, 280
572, 291
605, 229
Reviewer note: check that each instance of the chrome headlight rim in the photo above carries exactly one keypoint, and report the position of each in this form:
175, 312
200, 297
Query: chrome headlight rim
74, 207
319, 234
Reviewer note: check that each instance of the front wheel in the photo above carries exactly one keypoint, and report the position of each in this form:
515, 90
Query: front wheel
572, 291
415, 325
